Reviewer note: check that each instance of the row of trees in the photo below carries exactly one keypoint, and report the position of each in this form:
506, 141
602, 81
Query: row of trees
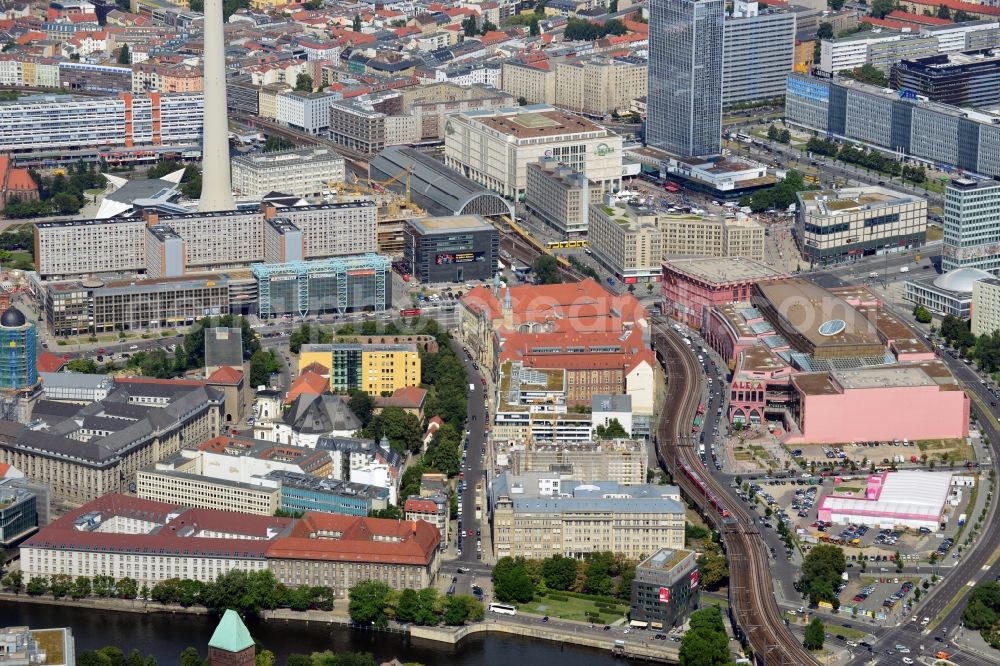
518, 580
373, 602
113, 656
583, 30
868, 159
247, 592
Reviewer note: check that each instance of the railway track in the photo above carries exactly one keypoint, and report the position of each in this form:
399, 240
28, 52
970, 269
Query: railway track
754, 612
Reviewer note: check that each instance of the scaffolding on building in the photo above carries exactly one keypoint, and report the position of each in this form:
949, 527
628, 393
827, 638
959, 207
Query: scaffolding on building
340, 267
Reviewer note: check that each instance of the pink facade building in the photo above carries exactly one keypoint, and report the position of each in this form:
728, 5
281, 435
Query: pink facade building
907, 401
912, 499
692, 287
761, 383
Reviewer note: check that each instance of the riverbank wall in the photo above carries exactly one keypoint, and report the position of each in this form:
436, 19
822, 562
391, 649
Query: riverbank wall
663, 653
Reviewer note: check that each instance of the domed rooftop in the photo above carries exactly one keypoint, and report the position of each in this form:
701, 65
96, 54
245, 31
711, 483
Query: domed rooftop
12, 318
960, 280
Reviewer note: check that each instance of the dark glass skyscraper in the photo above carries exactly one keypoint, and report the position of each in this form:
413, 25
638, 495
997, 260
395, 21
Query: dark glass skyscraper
684, 101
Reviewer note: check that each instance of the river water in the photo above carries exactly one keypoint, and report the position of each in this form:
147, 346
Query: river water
165, 636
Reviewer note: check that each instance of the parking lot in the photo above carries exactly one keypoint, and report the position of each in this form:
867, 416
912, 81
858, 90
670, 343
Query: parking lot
795, 501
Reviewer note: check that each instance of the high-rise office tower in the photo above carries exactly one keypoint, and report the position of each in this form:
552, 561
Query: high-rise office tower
971, 228
684, 99
216, 179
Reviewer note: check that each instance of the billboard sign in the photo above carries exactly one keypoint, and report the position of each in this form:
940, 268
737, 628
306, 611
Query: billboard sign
664, 595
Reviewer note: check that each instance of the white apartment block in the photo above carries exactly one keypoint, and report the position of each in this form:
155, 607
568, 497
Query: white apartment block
306, 111
335, 230
536, 83
494, 147
850, 52
957, 36
599, 86
81, 247
560, 195
187, 489
42, 122
627, 241
307, 172
211, 240
985, 306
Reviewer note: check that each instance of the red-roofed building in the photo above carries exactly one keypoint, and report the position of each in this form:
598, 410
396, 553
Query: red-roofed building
308, 383
15, 183
436, 510
149, 541
916, 20
340, 551
595, 336
884, 23
230, 382
977, 11
410, 399
49, 362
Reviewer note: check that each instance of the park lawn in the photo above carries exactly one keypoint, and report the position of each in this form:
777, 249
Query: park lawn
958, 448
51, 640
934, 233
573, 608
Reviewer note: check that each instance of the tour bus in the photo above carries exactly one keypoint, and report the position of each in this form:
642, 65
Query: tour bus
503, 609
638, 624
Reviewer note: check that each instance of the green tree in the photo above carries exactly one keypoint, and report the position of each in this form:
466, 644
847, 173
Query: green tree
67, 203
470, 27
821, 572
713, 570
705, 643
124, 57
262, 365
362, 405
559, 572
983, 609
825, 31
943, 12
614, 430
597, 575
308, 334
274, 143
879, 8
60, 585
511, 582
304, 82
356, 24
367, 602
402, 429
815, 635
13, 582
264, 658
921, 314
546, 270
190, 657
86, 366
81, 587
126, 588
533, 28
835, 5
460, 608
37, 586
408, 606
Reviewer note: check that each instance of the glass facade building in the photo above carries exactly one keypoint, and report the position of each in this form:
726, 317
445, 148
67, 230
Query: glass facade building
18, 514
18, 370
684, 100
342, 284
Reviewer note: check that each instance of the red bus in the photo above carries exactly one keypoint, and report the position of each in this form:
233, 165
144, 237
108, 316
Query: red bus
413, 312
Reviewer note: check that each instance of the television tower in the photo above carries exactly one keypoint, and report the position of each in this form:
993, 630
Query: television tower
216, 179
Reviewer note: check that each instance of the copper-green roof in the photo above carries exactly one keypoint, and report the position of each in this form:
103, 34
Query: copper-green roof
231, 635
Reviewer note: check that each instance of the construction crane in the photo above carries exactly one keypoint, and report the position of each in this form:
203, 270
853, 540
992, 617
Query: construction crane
384, 184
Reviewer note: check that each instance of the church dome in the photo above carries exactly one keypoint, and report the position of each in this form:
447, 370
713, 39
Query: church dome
12, 318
